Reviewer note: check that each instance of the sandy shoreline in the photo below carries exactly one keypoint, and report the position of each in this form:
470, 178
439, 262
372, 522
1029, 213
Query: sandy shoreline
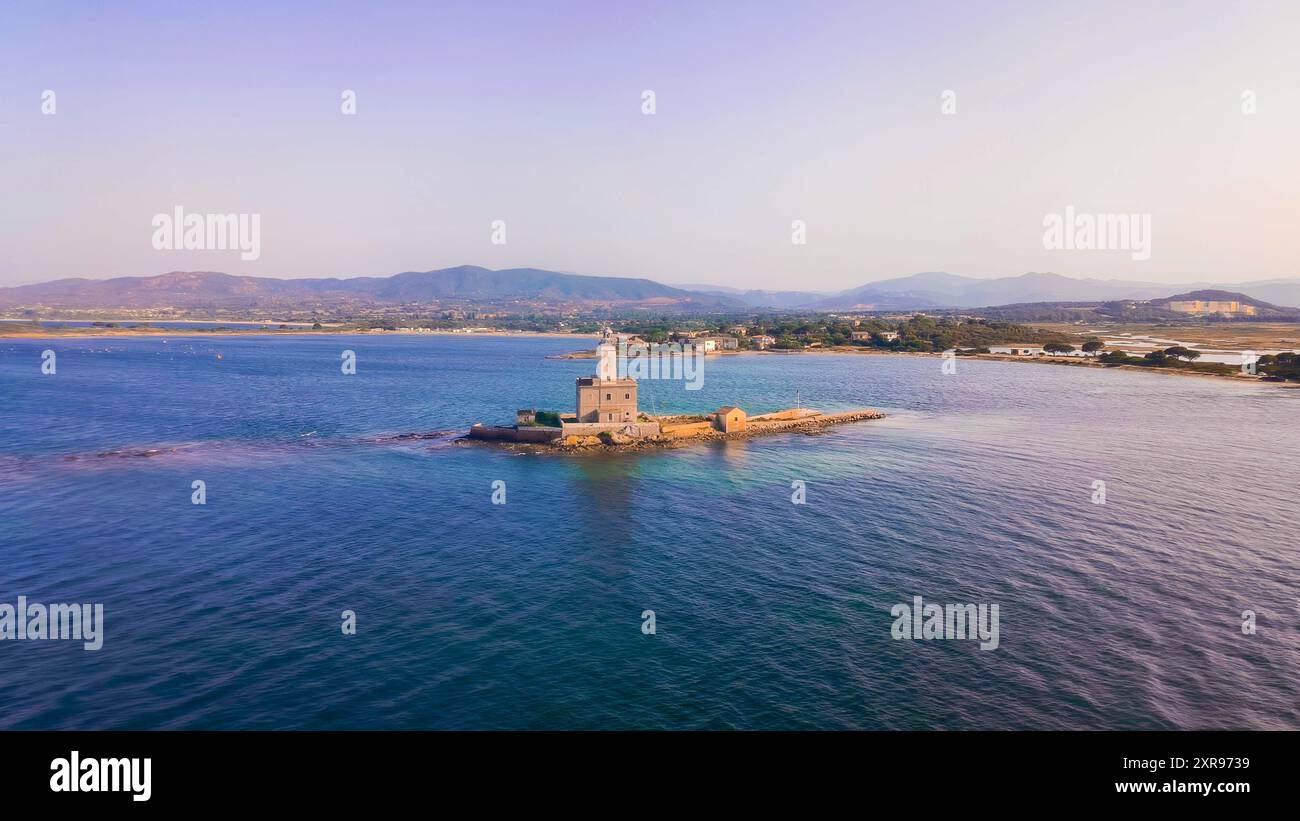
99, 333
1069, 361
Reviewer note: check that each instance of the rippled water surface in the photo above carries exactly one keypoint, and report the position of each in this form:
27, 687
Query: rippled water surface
977, 488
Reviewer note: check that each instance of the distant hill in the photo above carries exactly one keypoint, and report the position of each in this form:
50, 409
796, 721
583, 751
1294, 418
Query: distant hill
944, 290
1215, 295
1283, 293
933, 289
1126, 310
470, 284
779, 300
937, 289
209, 289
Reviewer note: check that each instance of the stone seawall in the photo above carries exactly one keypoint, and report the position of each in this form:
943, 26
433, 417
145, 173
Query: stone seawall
758, 426
809, 422
503, 433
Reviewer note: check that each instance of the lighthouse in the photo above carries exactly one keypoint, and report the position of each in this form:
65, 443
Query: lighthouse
604, 398
607, 361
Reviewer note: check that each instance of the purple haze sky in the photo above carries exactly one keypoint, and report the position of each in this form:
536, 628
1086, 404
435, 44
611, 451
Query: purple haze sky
530, 113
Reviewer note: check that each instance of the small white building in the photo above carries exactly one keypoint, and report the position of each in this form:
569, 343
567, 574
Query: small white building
1017, 350
721, 343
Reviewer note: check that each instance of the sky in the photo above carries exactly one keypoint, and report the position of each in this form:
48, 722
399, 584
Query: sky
532, 113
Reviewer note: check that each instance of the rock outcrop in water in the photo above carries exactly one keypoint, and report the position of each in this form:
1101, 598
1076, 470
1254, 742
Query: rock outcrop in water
678, 431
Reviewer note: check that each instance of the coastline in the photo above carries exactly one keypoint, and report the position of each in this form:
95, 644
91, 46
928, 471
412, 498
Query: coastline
1073, 361
99, 333
1070, 361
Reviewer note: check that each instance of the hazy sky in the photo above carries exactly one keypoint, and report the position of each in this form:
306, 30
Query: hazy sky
766, 113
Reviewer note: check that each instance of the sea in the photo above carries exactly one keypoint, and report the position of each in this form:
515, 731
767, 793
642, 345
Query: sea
1136, 531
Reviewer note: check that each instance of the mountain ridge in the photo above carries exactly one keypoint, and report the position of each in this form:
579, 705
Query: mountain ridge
214, 289
927, 290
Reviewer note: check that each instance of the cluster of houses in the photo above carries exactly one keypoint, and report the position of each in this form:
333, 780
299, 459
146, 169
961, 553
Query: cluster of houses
888, 336
716, 342
696, 340
708, 343
1030, 350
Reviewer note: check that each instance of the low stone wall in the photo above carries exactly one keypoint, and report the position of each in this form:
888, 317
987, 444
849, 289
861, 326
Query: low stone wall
808, 422
502, 433
591, 437
686, 432
640, 429
686, 429
785, 415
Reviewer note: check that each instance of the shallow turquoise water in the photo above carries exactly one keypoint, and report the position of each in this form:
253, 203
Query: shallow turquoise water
977, 488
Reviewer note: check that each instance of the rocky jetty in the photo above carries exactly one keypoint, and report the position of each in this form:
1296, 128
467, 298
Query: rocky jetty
683, 431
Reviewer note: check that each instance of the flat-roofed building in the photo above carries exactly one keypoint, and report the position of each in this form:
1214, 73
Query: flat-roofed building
1212, 306
1017, 350
606, 400
721, 343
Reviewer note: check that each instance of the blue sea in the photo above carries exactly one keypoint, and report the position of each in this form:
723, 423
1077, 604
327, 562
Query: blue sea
977, 488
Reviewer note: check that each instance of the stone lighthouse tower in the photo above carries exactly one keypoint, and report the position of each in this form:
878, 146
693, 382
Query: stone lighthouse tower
607, 360
604, 398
